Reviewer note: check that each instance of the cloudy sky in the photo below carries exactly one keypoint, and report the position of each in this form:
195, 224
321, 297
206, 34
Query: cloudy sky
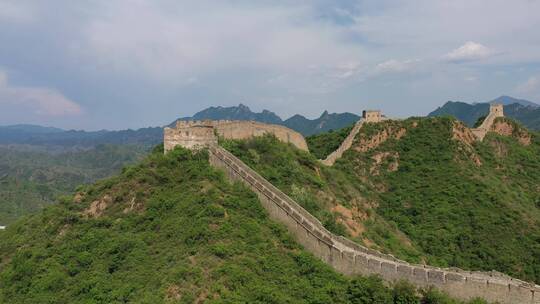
119, 64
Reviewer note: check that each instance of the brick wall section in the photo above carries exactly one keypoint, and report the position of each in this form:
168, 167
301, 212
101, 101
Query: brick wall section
237, 129
345, 145
200, 133
495, 110
350, 258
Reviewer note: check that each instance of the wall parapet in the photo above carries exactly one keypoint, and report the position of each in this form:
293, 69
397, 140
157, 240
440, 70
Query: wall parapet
193, 134
350, 258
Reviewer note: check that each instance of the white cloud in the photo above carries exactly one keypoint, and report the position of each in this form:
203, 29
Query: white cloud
38, 101
470, 51
14, 11
395, 66
532, 85
205, 37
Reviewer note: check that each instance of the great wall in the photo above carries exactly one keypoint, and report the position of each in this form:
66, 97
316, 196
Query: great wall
367, 116
190, 134
350, 258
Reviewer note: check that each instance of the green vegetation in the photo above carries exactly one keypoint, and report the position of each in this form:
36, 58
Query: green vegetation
30, 180
479, 121
469, 113
457, 211
323, 144
424, 197
323, 191
171, 230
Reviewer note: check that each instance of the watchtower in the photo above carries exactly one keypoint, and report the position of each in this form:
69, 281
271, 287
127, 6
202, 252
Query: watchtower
496, 109
190, 134
372, 115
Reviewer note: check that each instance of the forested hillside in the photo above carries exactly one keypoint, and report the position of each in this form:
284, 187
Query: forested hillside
527, 114
172, 230
30, 180
422, 189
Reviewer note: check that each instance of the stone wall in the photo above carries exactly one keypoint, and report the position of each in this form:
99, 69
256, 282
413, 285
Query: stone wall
350, 258
237, 129
193, 134
495, 110
345, 145
371, 116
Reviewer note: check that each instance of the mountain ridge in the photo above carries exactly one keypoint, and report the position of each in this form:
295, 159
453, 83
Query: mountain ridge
521, 110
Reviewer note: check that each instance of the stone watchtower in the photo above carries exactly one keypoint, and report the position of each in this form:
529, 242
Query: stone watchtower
190, 134
372, 115
496, 109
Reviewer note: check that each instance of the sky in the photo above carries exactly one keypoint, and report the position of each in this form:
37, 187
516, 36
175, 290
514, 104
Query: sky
117, 64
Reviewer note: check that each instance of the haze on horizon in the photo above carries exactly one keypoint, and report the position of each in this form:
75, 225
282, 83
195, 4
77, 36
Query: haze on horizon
130, 64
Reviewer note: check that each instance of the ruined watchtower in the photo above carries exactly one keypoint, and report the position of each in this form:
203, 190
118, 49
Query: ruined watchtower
204, 133
190, 134
496, 109
372, 115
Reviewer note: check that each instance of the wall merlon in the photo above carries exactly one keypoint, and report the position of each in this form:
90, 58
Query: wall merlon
419, 274
404, 270
436, 277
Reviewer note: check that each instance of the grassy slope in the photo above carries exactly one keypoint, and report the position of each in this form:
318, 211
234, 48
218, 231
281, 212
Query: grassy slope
459, 214
438, 207
321, 145
319, 188
30, 180
159, 240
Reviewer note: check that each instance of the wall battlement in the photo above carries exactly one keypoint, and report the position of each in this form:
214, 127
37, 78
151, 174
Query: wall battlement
204, 133
351, 258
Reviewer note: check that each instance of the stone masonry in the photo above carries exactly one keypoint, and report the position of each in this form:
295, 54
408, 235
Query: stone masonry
495, 110
371, 116
193, 134
343, 255
350, 258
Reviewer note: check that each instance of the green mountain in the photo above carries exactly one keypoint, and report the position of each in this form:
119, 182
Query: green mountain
326, 122
39, 163
507, 100
171, 230
30, 180
525, 112
240, 112
422, 189
299, 123
61, 140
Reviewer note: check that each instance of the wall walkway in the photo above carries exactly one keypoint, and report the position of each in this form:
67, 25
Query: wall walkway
350, 258
345, 145
486, 125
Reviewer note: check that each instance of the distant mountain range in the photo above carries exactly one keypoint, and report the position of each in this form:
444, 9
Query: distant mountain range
299, 123
507, 100
57, 139
524, 111
54, 139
